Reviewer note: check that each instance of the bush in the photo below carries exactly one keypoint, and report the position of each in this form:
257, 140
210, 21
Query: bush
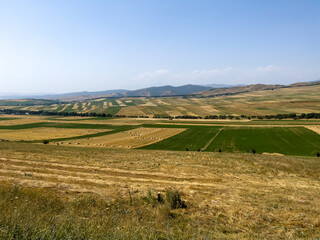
45, 142
174, 199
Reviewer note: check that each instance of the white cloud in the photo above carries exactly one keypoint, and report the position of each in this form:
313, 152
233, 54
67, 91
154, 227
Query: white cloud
229, 75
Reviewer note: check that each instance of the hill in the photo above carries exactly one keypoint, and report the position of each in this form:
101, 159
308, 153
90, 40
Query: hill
236, 90
250, 88
250, 100
144, 92
73, 96
227, 196
166, 91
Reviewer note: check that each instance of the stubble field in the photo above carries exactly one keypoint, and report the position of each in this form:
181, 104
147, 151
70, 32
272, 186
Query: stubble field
95, 191
304, 99
82, 192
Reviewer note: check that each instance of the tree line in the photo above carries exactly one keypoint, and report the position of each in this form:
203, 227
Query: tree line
94, 114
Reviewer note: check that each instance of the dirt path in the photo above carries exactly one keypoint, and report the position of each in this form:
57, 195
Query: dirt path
206, 146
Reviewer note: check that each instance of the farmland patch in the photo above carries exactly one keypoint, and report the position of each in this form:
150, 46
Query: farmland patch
314, 128
44, 133
130, 139
192, 139
284, 140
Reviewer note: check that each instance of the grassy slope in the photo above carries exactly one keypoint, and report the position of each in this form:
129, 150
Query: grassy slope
290, 141
285, 100
229, 196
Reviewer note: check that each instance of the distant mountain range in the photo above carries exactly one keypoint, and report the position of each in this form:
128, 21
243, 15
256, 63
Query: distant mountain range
144, 92
162, 91
249, 88
223, 85
67, 96
166, 91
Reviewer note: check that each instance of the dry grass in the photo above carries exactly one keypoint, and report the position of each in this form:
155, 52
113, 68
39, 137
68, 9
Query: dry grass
18, 122
65, 107
22, 119
130, 139
44, 133
131, 111
314, 128
229, 196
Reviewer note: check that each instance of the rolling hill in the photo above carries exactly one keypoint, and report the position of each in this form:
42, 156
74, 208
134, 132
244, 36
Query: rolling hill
166, 91
249, 88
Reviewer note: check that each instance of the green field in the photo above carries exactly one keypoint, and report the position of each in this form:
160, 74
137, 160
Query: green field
287, 137
284, 140
193, 138
6, 118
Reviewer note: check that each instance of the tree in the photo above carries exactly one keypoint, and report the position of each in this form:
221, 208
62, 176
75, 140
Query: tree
253, 151
318, 154
45, 142
220, 150
187, 149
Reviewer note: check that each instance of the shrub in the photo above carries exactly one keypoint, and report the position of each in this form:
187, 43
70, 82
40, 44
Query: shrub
174, 199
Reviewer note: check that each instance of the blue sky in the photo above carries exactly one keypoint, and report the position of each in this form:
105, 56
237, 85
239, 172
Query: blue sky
77, 45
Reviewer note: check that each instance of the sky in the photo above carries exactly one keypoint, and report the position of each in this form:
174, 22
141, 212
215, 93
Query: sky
56, 46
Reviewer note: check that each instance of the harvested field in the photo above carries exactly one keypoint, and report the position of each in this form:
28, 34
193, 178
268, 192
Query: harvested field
130, 139
131, 111
54, 107
314, 128
232, 196
75, 106
19, 121
65, 107
161, 102
148, 103
99, 100
120, 103
210, 109
32, 134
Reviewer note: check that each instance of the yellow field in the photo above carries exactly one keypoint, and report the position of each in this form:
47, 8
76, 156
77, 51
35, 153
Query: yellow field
314, 128
131, 111
18, 122
22, 119
44, 133
129, 139
65, 107
232, 196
